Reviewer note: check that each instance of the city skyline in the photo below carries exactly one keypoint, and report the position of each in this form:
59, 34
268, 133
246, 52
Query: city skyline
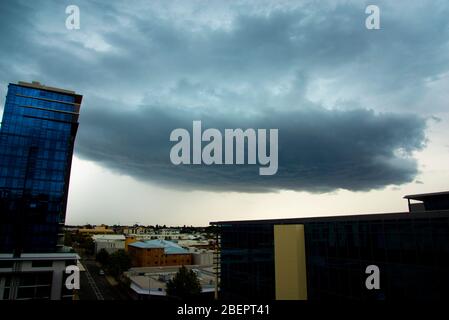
362, 114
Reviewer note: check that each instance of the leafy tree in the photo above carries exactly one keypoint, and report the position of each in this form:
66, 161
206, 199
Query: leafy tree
68, 239
103, 257
88, 244
119, 262
184, 285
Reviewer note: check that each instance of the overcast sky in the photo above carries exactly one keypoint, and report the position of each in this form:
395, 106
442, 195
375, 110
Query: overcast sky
362, 114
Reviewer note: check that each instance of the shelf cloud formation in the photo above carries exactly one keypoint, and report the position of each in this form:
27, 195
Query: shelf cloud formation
319, 150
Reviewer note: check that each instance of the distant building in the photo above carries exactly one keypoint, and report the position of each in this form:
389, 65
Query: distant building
169, 232
129, 240
158, 253
203, 257
103, 229
140, 234
138, 230
199, 244
110, 242
325, 258
37, 137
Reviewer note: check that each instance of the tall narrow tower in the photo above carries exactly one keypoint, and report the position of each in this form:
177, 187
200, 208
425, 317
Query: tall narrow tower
37, 137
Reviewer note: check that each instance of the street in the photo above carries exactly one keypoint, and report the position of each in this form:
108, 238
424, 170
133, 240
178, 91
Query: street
94, 286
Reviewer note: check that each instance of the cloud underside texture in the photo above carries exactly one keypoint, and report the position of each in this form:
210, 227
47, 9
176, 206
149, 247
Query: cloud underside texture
319, 150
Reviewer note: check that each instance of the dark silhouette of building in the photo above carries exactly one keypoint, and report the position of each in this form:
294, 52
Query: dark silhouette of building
325, 258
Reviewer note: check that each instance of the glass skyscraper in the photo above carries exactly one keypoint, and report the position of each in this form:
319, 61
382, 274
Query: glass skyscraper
37, 137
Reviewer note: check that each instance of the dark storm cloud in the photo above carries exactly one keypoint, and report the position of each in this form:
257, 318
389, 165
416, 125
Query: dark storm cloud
319, 150
148, 70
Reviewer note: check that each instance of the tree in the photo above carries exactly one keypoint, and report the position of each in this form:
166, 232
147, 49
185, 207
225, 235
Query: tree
119, 262
184, 285
87, 244
68, 239
103, 257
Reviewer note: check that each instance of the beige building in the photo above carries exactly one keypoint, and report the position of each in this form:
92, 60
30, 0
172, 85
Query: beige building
96, 230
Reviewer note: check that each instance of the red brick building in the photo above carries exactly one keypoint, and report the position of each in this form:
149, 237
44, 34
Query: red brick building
155, 253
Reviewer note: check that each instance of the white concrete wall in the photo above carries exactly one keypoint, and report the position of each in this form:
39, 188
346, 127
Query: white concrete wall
110, 246
204, 258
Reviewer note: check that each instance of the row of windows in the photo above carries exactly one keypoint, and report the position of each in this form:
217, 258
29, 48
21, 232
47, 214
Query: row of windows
18, 100
35, 186
25, 137
16, 111
42, 155
35, 172
38, 140
19, 145
21, 153
17, 89
20, 121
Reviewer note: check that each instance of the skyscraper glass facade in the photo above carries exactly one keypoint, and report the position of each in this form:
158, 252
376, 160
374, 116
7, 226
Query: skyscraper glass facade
410, 249
37, 137
247, 261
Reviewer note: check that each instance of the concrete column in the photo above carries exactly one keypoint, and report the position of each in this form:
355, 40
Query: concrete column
56, 283
290, 262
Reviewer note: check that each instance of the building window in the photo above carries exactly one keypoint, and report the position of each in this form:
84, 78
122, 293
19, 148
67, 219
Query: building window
42, 264
6, 264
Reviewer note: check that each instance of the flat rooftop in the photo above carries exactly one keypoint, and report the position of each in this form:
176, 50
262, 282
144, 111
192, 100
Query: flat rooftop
424, 196
108, 237
154, 279
336, 218
168, 246
38, 85
41, 256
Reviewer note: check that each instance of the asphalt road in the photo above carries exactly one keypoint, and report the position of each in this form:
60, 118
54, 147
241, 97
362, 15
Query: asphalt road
94, 286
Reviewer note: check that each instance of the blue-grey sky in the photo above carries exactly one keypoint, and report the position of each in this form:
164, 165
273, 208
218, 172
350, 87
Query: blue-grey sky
362, 114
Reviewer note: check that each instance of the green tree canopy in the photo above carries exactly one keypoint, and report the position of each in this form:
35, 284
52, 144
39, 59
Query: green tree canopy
184, 285
103, 256
88, 244
119, 262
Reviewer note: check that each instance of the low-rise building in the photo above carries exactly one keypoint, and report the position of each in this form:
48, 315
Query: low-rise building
110, 242
158, 253
152, 281
36, 276
203, 257
137, 230
96, 230
199, 244
130, 239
